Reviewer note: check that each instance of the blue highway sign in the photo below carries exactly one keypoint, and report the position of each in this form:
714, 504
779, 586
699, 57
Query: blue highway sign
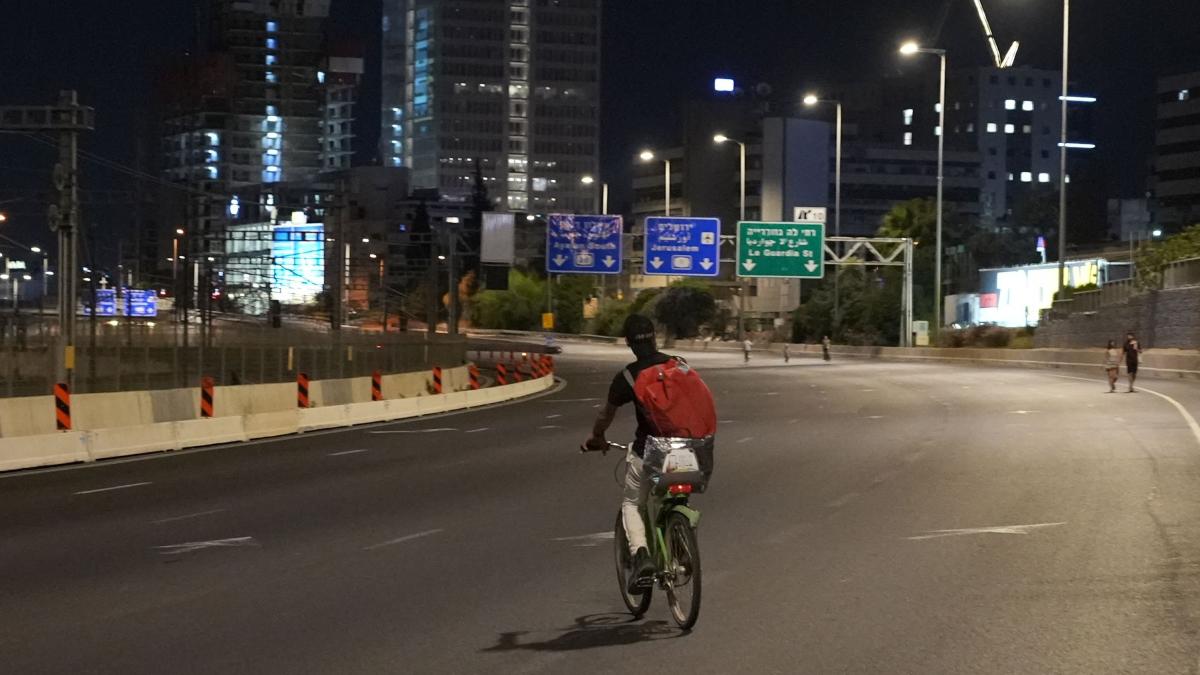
583, 244
141, 303
683, 247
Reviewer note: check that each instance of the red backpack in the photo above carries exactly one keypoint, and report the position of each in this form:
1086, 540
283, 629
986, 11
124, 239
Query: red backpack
675, 400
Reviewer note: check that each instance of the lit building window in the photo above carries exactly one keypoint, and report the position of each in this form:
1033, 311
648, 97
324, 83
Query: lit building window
908, 117
937, 107
1010, 129
272, 43
270, 60
908, 138
1185, 94
937, 131
1026, 177
320, 77
991, 127
1010, 104
1027, 106
272, 27
212, 172
271, 77
1010, 175
1027, 129
1043, 178
970, 127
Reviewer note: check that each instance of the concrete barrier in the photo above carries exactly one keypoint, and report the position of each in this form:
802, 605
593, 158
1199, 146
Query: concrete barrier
328, 417
261, 418
132, 440
200, 432
24, 452
109, 411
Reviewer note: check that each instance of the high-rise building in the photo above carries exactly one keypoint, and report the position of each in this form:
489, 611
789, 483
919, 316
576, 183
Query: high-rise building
509, 85
1177, 151
262, 101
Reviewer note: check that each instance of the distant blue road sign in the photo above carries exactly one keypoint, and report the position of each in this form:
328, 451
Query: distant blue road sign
141, 303
583, 244
683, 247
106, 302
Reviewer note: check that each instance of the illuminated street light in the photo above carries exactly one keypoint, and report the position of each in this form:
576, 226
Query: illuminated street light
909, 49
36, 249
648, 156
587, 180
590, 180
811, 100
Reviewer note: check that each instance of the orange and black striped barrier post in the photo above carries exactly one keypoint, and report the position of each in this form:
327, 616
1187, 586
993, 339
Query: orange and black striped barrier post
376, 386
501, 374
437, 379
62, 406
516, 372
550, 363
302, 390
206, 397
474, 373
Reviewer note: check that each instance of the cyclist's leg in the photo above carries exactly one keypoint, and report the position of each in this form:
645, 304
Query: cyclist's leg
632, 501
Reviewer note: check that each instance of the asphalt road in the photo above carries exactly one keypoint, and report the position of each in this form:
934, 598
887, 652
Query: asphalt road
865, 517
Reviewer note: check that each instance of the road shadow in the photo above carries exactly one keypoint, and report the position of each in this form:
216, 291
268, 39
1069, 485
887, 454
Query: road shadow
589, 632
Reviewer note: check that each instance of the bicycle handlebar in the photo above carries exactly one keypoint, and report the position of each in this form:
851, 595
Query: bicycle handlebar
604, 451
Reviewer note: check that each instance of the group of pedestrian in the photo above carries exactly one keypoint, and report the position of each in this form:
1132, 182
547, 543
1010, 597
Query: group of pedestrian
1129, 352
748, 346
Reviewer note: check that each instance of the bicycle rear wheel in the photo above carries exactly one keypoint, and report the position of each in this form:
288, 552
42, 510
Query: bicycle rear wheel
638, 603
683, 571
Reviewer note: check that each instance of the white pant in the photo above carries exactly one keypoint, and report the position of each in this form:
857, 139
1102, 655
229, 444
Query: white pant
633, 500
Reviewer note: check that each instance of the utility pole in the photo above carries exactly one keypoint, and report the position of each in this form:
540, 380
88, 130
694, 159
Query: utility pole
452, 291
68, 119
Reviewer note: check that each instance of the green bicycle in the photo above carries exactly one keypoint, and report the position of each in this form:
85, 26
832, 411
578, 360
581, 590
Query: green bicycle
672, 544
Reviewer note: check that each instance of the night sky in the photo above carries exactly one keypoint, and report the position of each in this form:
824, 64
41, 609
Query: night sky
657, 54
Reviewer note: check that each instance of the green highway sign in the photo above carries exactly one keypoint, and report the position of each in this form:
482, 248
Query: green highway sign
793, 250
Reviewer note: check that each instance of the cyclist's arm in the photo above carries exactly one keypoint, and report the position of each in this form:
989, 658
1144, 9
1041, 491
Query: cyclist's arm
605, 419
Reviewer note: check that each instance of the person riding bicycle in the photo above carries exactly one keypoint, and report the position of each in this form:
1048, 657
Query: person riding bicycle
639, 336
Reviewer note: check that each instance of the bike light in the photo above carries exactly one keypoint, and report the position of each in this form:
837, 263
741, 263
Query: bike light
680, 489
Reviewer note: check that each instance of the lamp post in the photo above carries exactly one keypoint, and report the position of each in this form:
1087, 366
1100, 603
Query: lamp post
589, 180
909, 49
1062, 150
812, 100
742, 291
648, 156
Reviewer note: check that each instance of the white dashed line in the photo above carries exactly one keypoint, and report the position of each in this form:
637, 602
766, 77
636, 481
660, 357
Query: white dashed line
412, 431
403, 539
190, 515
349, 452
1002, 529
553, 417
475, 431
109, 489
550, 426
743, 440
190, 546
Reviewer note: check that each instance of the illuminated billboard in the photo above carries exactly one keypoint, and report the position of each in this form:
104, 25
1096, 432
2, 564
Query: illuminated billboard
298, 263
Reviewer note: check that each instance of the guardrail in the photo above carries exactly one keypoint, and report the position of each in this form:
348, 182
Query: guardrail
1182, 273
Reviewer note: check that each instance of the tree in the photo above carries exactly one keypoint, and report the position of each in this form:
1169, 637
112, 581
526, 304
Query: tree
518, 308
1152, 259
570, 292
684, 307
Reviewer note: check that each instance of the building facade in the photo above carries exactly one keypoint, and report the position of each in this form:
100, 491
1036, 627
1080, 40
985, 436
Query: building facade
1177, 151
509, 85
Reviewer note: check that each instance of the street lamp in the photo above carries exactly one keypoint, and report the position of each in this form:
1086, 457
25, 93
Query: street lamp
1062, 149
589, 180
721, 139
811, 100
648, 156
909, 49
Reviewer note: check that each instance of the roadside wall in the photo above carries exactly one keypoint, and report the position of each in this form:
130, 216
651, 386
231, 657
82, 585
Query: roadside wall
1166, 319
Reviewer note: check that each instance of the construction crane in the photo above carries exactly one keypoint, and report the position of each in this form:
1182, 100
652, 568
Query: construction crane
1009, 57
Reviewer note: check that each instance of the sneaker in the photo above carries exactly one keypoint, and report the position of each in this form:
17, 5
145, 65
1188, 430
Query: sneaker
641, 572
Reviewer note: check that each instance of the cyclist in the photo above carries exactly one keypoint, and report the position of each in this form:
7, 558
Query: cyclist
639, 336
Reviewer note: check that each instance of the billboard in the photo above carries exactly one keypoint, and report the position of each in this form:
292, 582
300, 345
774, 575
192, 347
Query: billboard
298, 262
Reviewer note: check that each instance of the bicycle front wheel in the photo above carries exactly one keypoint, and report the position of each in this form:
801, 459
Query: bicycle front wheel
637, 603
683, 571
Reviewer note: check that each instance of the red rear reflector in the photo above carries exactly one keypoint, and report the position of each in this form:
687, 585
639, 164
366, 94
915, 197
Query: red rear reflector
680, 489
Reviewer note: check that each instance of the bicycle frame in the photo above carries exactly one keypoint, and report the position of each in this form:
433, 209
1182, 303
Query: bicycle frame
658, 507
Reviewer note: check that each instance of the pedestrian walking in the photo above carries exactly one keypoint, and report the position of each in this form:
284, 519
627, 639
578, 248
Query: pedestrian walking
825, 347
1133, 350
1112, 360
747, 345
787, 352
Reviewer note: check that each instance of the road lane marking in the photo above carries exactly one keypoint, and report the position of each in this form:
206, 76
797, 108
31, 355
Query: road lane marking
1187, 416
1022, 412
551, 426
1000, 529
475, 431
744, 440
188, 547
589, 540
401, 540
553, 417
349, 452
873, 417
109, 489
412, 431
771, 393
190, 515
570, 400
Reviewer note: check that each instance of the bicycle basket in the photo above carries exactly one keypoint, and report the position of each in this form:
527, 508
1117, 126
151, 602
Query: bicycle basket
679, 460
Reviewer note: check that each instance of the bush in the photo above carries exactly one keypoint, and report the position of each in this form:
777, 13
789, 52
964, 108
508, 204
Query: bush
518, 308
995, 337
684, 307
611, 317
